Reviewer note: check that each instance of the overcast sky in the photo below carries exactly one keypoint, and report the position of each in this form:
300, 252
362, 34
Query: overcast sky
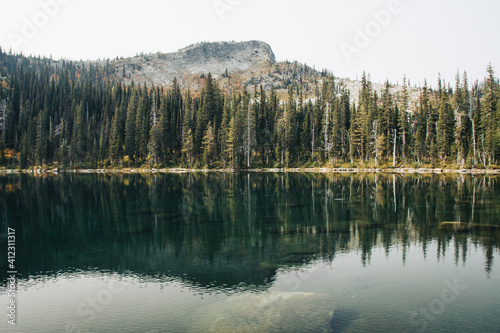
386, 38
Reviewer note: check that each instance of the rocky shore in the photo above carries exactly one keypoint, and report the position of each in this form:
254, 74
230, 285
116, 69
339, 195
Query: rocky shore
274, 170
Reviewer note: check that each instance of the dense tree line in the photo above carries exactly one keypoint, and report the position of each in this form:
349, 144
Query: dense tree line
73, 114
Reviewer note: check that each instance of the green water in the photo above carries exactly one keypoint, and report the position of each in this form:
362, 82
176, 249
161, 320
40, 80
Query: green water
252, 253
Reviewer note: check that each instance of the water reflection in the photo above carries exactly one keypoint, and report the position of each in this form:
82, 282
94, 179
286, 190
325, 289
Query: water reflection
236, 231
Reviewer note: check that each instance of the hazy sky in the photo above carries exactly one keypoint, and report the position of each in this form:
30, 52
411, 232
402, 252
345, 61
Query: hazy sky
386, 38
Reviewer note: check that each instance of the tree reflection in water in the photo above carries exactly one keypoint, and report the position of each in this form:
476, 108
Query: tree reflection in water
225, 230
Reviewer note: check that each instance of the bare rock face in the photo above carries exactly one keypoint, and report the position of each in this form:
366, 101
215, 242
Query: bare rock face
216, 58
268, 312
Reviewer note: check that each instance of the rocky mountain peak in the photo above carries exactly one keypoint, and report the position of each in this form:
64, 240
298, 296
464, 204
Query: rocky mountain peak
216, 58
252, 51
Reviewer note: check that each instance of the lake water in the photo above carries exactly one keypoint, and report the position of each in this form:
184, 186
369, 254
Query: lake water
256, 252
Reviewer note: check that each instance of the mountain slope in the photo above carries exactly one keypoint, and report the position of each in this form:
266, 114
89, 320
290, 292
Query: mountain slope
233, 64
217, 58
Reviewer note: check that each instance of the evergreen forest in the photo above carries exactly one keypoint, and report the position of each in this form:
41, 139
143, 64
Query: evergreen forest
76, 115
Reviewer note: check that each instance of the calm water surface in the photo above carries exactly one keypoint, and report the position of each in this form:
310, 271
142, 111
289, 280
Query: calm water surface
252, 253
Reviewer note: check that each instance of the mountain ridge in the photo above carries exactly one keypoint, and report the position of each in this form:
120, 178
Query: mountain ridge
234, 64
218, 58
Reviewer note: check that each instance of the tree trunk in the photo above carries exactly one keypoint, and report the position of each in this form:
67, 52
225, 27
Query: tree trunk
312, 143
248, 138
404, 146
394, 150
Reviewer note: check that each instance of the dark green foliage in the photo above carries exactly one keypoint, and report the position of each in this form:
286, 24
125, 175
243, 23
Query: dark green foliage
72, 114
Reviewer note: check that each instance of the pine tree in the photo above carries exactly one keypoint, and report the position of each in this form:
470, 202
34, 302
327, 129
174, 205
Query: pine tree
286, 130
188, 147
208, 110
230, 149
262, 128
489, 117
81, 131
432, 119
11, 115
361, 121
24, 160
403, 120
130, 127
155, 143
116, 146
102, 143
386, 118
291, 123
224, 132
270, 108
249, 135
345, 124
305, 131
327, 145
420, 125
3, 116
188, 120
461, 107
208, 144
142, 124
41, 138
240, 107
445, 125
477, 137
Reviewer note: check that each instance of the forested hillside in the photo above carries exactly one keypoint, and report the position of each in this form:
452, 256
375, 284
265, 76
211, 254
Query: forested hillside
74, 114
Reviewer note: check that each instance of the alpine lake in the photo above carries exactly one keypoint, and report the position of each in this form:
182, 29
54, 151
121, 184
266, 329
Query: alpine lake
251, 252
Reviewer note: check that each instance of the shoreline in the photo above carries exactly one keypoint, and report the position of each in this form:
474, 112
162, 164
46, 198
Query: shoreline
263, 170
